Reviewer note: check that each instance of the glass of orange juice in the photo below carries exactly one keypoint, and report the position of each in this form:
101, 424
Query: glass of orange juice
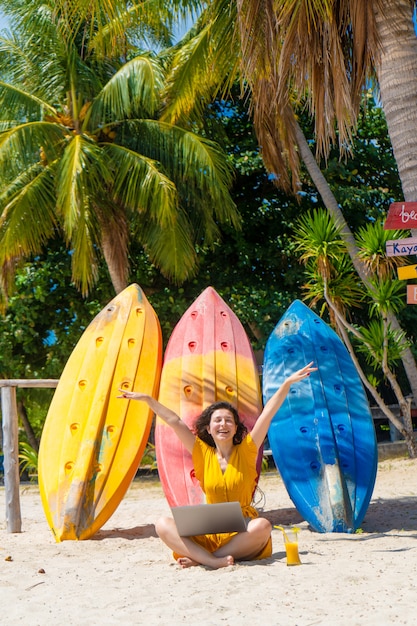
291, 545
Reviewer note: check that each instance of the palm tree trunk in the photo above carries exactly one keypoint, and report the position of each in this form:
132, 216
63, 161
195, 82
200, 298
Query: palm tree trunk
116, 271
114, 244
332, 206
397, 77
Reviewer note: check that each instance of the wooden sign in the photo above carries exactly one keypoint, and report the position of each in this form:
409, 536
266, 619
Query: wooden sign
401, 247
411, 294
401, 215
408, 271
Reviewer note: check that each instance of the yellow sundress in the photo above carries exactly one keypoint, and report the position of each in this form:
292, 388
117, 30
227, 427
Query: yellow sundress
237, 483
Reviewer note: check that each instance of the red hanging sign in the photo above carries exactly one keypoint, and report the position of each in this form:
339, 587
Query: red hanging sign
401, 215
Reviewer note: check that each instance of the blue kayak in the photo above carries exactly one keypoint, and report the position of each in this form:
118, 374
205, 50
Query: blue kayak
322, 438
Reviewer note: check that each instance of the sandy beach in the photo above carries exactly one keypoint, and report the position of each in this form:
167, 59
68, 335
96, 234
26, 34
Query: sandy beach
125, 575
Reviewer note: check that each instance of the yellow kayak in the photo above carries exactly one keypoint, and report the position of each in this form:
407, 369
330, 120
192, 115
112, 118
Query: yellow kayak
92, 442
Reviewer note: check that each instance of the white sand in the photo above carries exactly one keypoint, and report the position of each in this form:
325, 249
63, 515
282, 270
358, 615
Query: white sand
125, 575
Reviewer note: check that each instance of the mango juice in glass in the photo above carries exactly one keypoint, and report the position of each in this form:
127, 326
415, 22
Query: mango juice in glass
291, 545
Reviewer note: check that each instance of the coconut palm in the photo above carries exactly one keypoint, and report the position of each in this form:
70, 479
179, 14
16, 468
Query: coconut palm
85, 155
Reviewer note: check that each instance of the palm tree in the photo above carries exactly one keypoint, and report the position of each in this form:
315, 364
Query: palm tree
85, 155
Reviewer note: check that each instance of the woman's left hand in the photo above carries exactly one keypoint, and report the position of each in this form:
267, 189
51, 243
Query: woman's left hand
305, 371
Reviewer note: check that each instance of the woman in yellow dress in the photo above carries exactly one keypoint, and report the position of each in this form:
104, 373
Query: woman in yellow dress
224, 456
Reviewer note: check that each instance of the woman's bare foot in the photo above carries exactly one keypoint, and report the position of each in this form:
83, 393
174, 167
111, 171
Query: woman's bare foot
226, 561
184, 562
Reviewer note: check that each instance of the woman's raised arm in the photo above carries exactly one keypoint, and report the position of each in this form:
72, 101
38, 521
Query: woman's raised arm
180, 428
260, 430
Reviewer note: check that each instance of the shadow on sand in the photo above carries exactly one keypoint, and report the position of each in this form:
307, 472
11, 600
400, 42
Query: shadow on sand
383, 515
138, 532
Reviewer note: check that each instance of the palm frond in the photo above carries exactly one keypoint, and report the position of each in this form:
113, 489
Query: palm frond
133, 91
82, 171
170, 249
27, 216
376, 335
84, 260
94, 14
144, 21
29, 459
317, 237
198, 167
203, 65
16, 99
140, 185
30, 143
387, 295
342, 287
189, 86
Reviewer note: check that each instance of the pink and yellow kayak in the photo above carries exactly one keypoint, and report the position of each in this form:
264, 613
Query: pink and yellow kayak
208, 358
92, 442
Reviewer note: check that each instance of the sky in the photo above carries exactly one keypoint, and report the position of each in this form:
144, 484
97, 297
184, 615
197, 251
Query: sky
3, 23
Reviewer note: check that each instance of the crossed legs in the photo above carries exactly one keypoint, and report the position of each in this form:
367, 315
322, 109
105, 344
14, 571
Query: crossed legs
242, 546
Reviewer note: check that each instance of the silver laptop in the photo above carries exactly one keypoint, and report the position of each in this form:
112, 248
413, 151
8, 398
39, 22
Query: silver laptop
204, 519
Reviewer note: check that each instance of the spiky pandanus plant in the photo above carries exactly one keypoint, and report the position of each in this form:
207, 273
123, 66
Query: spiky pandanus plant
332, 283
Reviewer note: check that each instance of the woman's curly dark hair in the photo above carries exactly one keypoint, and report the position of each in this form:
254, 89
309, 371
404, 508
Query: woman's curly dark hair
200, 427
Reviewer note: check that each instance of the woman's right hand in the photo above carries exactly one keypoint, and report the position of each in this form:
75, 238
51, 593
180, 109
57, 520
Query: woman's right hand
133, 395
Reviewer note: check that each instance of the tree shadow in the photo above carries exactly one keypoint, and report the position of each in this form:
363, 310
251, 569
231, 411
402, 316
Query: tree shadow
138, 532
383, 515
283, 517
387, 514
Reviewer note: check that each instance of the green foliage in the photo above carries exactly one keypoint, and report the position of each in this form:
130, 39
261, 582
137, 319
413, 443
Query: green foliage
29, 460
372, 240
366, 181
333, 281
375, 335
342, 285
148, 460
387, 294
317, 236
46, 316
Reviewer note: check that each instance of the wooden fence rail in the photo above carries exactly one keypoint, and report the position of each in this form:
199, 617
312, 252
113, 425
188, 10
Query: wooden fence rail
11, 446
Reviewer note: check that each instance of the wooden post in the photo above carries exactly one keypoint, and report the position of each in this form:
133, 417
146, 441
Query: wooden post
11, 459
11, 446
